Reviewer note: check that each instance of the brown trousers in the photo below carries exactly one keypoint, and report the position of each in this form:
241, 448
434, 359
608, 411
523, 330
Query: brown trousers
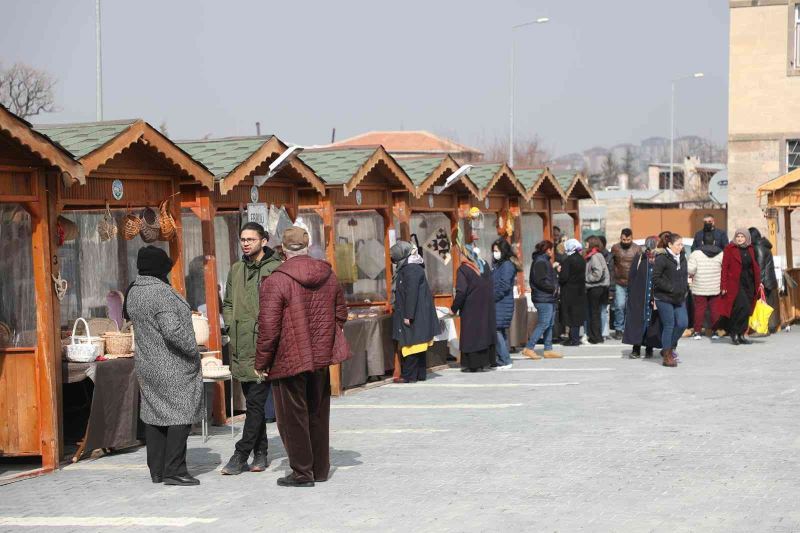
303, 408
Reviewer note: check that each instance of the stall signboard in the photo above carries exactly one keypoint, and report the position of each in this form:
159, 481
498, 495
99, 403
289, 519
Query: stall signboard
258, 213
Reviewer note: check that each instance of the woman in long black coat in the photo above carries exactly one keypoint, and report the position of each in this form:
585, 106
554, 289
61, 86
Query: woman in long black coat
414, 320
474, 302
639, 305
572, 278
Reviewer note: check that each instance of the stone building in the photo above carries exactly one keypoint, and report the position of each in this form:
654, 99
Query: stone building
764, 102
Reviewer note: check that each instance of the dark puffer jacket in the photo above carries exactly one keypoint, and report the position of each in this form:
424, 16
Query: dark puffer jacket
543, 280
504, 275
670, 283
413, 301
301, 319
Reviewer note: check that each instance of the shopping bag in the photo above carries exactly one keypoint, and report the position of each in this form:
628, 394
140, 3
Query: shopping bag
759, 320
654, 328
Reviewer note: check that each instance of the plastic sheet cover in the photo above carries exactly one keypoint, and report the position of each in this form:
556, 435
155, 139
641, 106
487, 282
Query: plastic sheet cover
17, 295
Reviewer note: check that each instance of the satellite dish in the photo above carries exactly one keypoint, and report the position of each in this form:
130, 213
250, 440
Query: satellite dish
718, 187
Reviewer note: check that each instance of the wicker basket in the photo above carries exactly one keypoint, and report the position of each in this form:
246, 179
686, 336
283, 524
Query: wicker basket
107, 228
131, 225
118, 343
151, 227
5, 335
84, 349
201, 329
215, 371
166, 222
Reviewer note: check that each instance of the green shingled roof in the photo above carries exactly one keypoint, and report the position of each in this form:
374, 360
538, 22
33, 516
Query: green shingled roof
528, 176
336, 167
83, 139
222, 156
420, 169
565, 180
481, 175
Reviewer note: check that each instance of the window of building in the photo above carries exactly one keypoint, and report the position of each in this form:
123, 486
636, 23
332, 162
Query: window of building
430, 229
792, 154
17, 297
360, 255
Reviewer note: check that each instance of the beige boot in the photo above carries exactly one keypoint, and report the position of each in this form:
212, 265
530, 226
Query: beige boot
530, 354
550, 354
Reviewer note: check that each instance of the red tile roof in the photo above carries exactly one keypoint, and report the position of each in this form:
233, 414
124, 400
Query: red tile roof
399, 142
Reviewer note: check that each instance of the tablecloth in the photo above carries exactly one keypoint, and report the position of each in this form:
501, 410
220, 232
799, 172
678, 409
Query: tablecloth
371, 349
518, 331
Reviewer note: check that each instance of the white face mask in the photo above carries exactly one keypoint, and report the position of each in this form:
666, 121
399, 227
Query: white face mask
497, 255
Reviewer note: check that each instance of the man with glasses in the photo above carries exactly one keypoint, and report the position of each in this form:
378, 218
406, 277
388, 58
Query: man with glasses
240, 311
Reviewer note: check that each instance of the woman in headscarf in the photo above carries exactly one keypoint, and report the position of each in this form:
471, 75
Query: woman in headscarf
167, 366
763, 250
504, 275
414, 320
572, 279
639, 305
474, 302
741, 276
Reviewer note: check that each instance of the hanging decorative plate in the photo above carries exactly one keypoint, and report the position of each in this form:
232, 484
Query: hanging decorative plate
117, 190
254, 194
358, 197
430, 200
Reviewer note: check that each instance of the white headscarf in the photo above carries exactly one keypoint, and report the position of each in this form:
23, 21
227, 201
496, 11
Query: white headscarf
572, 246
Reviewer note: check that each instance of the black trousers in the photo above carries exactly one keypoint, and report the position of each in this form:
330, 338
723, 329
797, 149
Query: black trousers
575, 334
596, 296
414, 367
303, 408
166, 449
254, 433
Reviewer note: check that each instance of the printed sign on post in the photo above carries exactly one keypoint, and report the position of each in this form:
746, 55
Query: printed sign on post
257, 213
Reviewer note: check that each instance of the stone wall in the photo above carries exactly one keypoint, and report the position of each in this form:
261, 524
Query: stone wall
750, 163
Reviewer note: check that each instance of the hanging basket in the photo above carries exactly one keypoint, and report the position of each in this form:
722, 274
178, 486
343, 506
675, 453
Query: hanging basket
166, 222
151, 228
107, 228
131, 225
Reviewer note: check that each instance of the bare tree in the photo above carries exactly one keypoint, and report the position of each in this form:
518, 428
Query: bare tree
610, 170
26, 91
527, 152
629, 164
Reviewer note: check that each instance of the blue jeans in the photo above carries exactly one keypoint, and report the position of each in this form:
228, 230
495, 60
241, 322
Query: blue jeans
544, 326
604, 320
620, 298
503, 355
674, 320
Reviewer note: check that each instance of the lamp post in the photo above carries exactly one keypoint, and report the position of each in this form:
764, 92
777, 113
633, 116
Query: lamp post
672, 125
540, 20
99, 63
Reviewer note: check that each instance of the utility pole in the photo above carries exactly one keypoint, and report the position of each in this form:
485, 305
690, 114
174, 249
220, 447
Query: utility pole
99, 64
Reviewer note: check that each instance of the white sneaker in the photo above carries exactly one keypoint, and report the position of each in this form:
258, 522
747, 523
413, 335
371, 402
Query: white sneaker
714, 337
697, 337
505, 367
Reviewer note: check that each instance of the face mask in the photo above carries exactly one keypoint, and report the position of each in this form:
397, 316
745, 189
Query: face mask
497, 255
708, 226
625, 245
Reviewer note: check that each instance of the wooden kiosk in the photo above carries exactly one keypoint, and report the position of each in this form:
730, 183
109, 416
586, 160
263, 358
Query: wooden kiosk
779, 198
353, 228
32, 168
218, 214
576, 187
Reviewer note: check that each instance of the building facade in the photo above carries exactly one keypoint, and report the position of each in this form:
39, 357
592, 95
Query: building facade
764, 102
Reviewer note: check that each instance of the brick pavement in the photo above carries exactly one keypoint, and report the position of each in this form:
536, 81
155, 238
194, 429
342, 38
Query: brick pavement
597, 443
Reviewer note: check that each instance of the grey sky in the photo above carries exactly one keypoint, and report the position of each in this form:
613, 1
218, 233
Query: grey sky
598, 74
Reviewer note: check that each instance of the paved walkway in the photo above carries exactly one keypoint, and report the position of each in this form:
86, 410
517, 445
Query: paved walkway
593, 442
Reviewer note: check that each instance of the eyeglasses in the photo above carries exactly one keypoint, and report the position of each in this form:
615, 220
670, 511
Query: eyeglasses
249, 241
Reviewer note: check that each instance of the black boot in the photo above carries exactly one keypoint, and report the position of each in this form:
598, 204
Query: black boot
648, 352
636, 353
236, 465
744, 340
734, 340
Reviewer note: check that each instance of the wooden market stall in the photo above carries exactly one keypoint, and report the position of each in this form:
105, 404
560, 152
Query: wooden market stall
352, 226
576, 187
211, 219
32, 168
780, 198
134, 176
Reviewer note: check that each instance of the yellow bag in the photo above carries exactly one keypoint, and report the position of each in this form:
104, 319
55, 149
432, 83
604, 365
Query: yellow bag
759, 320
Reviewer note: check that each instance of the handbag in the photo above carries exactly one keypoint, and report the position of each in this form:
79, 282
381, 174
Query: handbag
653, 336
759, 320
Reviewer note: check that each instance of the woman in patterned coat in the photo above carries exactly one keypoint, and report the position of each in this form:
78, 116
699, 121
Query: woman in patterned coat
167, 366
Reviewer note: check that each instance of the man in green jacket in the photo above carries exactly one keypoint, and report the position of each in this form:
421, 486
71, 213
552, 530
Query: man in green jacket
240, 312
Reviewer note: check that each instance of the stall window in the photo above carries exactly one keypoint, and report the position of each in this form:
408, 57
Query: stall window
311, 220
360, 255
532, 233
93, 267
433, 232
17, 297
193, 260
566, 224
226, 237
487, 236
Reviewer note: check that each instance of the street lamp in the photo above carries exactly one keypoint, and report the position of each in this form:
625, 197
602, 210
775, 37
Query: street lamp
672, 124
540, 20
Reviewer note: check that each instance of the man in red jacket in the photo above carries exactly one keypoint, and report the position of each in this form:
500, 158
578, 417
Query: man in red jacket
302, 312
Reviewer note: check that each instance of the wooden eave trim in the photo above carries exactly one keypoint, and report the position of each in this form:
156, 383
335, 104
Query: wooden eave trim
43, 148
140, 130
776, 184
447, 163
308, 174
504, 169
379, 155
546, 176
579, 180
249, 165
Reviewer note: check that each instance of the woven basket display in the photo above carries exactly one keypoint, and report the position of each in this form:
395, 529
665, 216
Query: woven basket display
5, 335
166, 222
151, 227
118, 343
213, 368
84, 348
131, 225
107, 228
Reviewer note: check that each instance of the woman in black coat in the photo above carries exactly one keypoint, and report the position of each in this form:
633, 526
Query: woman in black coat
670, 288
763, 250
474, 302
414, 320
639, 305
572, 278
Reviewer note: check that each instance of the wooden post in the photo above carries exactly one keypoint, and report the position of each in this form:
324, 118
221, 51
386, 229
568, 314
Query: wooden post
330, 253
206, 216
787, 235
176, 244
48, 353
